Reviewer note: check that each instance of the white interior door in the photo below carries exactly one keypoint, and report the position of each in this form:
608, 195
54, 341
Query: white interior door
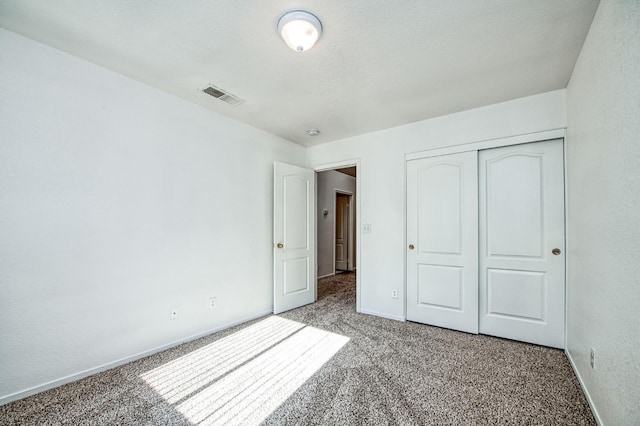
442, 239
522, 264
294, 244
342, 232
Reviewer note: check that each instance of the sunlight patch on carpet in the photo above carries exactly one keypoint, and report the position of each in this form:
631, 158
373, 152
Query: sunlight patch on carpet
244, 377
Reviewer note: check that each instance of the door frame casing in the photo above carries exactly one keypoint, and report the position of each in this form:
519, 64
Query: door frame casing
560, 133
488, 144
339, 165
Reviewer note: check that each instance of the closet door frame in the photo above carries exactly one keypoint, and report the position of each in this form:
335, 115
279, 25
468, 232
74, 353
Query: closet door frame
488, 144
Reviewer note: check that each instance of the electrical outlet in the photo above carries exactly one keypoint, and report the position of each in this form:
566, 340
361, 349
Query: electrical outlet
592, 358
394, 294
173, 313
213, 302
366, 228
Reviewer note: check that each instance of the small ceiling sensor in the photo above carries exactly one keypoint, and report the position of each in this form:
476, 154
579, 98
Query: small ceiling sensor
313, 132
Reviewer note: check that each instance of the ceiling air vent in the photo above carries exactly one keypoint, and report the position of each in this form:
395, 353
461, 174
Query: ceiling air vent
220, 94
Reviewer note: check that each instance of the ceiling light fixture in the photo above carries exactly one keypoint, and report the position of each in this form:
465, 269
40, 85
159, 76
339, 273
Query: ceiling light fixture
313, 132
299, 29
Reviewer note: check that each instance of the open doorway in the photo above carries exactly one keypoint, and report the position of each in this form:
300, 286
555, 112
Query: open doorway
336, 227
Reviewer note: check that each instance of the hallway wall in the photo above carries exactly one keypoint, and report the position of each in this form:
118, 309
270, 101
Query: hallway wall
328, 182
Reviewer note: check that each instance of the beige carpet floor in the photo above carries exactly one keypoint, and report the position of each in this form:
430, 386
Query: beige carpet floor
324, 364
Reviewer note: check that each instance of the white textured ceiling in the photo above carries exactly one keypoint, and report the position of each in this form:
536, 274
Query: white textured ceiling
379, 63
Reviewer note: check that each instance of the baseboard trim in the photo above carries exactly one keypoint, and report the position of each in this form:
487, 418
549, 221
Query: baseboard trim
326, 275
380, 314
91, 371
596, 415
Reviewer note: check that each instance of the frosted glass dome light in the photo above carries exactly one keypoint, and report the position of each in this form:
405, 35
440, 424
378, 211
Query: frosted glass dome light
299, 29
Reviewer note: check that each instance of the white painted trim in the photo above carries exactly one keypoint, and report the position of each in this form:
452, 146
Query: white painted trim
387, 316
596, 415
326, 275
338, 165
406, 242
108, 366
487, 144
315, 232
566, 241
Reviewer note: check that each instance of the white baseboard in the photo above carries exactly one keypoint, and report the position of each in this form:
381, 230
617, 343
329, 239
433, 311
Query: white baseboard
380, 314
326, 275
91, 371
584, 389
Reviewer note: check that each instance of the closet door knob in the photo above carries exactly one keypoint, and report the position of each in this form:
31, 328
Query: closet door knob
411, 246
280, 245
556, 251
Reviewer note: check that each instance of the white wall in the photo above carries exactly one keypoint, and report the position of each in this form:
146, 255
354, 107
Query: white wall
603, 161
117, 202
328, 183
381, 176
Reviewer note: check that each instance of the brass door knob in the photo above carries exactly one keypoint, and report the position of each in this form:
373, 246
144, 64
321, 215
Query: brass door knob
556, 251
280, 245
411, 246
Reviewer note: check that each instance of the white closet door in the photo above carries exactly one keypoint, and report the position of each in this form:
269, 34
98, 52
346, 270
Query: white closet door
522, 261
442, 240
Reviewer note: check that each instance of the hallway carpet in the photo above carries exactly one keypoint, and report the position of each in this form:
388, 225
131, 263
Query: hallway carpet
324, 364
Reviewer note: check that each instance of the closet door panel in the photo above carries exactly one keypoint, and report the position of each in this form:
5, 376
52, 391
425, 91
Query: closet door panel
442, 241
522, 265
